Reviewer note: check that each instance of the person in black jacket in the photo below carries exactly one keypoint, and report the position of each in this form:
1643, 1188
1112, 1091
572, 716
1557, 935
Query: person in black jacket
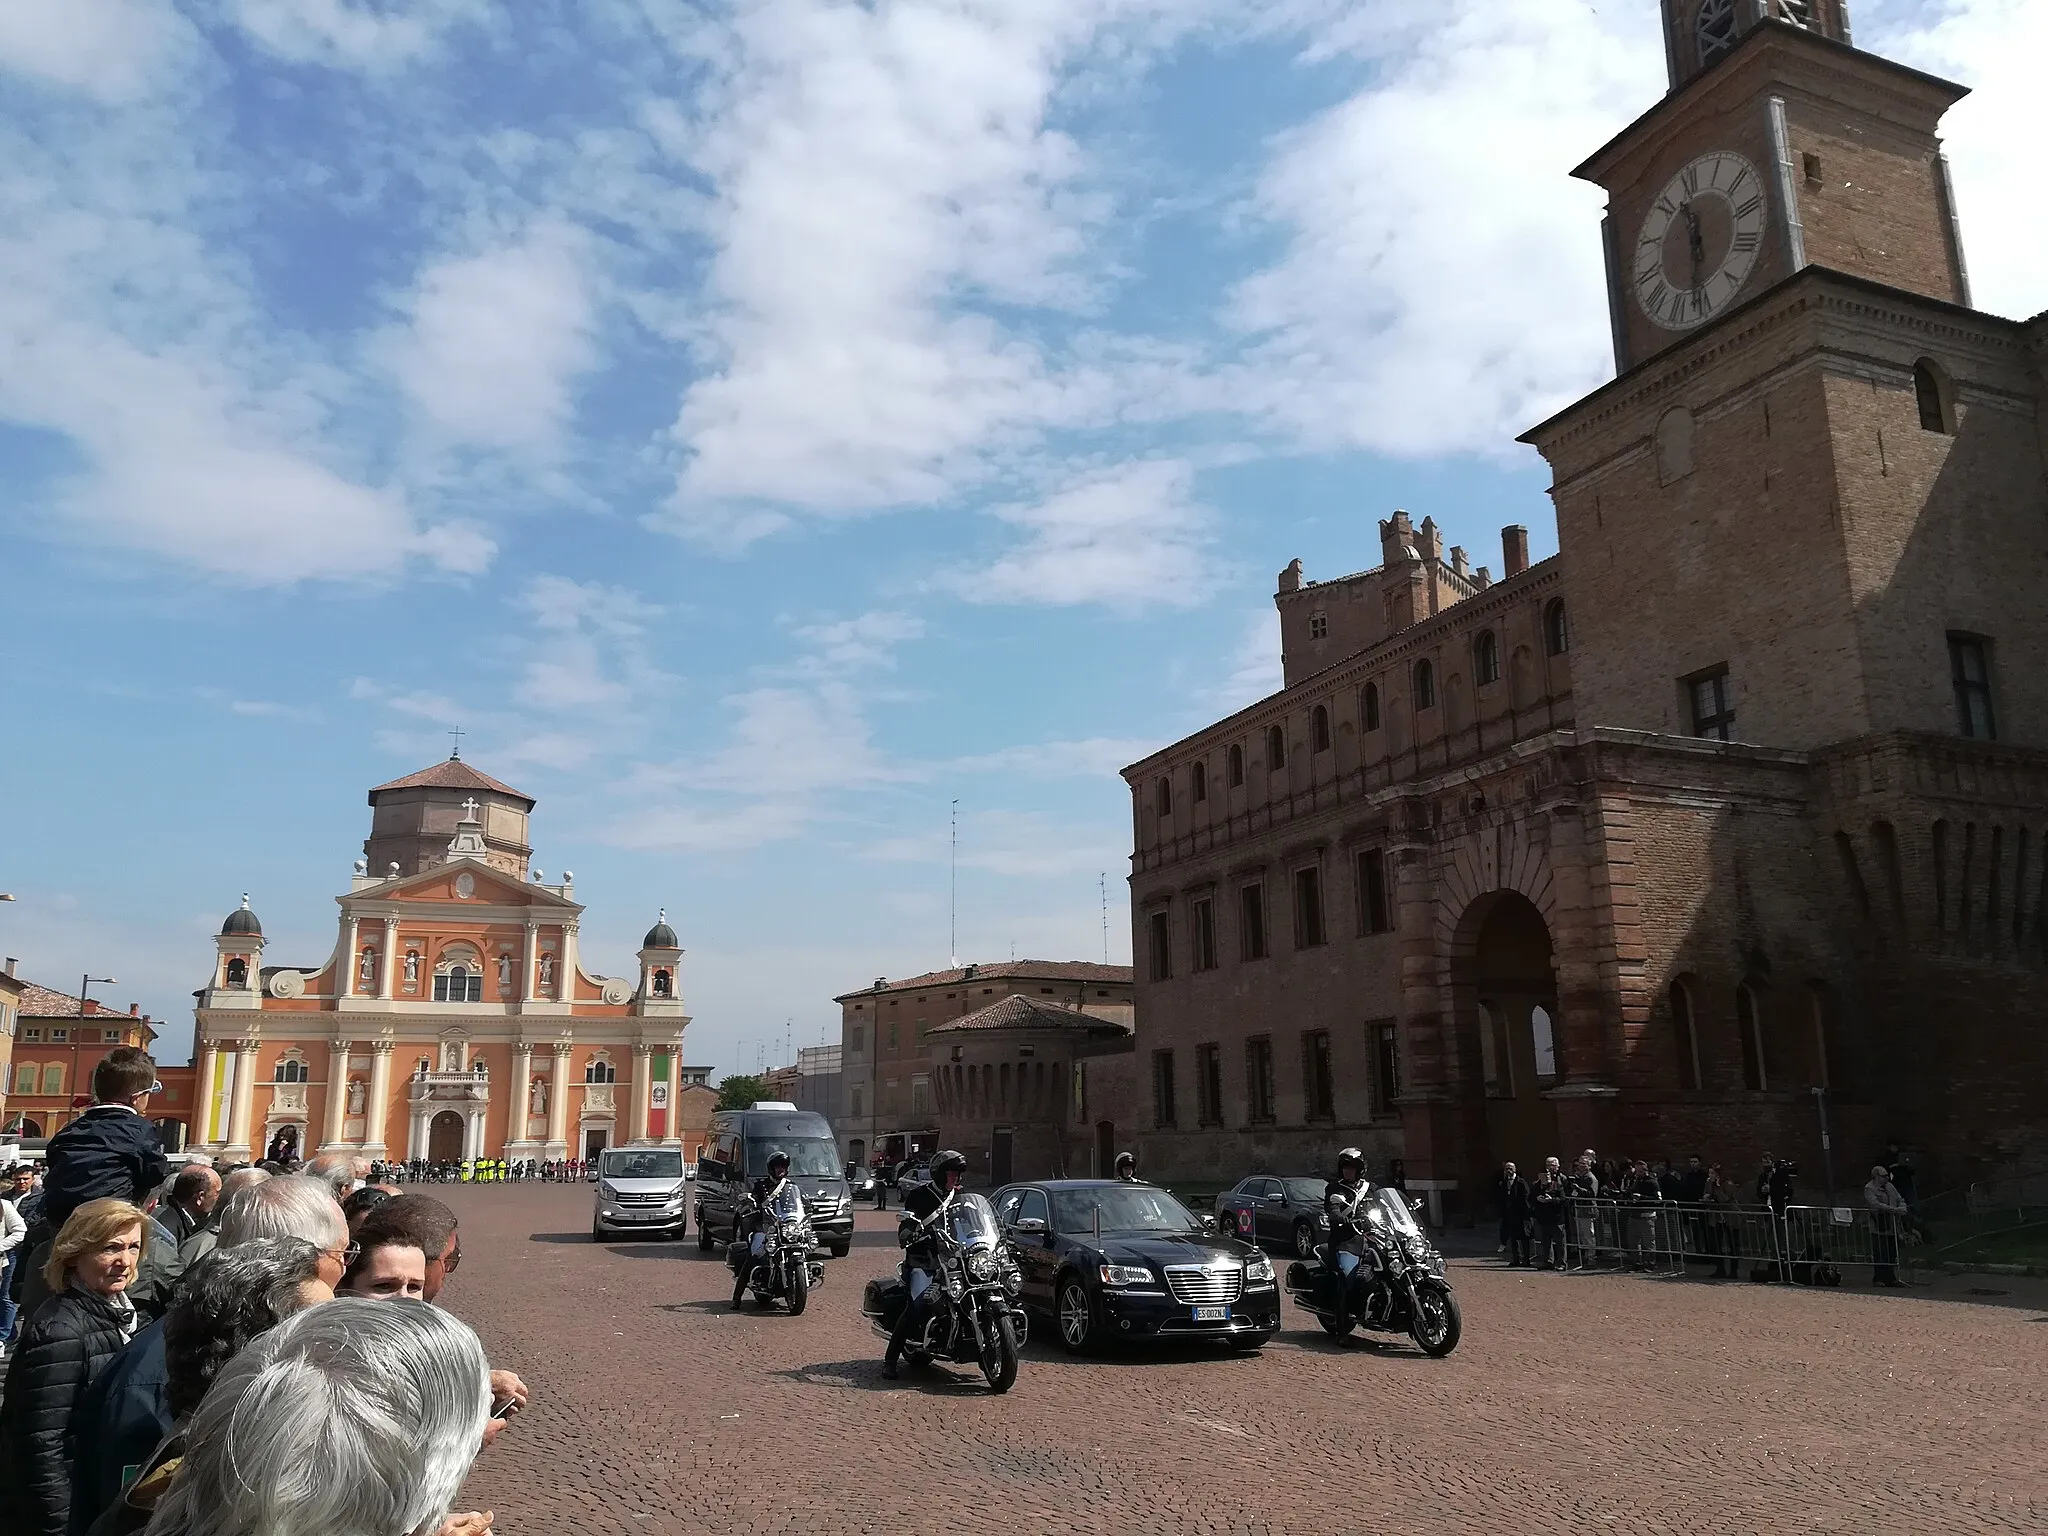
85, 1323
230, 1297
1343, 1199
913, 1232
110, 1151
1513, 1192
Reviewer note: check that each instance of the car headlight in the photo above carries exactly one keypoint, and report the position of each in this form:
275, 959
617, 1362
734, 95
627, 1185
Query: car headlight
1125, 1274
605, 1191
1260, 1268
1323, 1222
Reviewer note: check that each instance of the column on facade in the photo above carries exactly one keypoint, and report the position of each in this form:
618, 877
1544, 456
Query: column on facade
528, 989
565, 982
351, 984
558, 1097
378, 1111
388, 961
473, 1131
203, 1127
245, 1094
673, 1128
337, 1094
521, 1109
643, 1085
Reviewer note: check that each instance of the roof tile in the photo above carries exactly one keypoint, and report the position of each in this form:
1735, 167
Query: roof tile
453, 773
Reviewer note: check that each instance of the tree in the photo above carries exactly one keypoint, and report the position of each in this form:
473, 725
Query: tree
740, 1092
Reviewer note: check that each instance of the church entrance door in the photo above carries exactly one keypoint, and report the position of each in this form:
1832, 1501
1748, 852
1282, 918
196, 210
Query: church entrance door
1514, 991
444, 1138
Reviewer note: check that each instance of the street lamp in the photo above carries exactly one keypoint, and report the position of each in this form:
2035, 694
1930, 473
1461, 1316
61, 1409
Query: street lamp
89, 981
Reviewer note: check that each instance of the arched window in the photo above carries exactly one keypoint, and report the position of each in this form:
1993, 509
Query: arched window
1198, 781
458, 984
1233, 766
1685, 1036
1557, 629
1543, 1040
53, 1078
25, 1077
600, 1070
1425, 685
664, 982
1319, 729
1749, 1023
1486, 658
1369, 706
290, 1069
1932, 393
1162, 797
1276, 747
238, 972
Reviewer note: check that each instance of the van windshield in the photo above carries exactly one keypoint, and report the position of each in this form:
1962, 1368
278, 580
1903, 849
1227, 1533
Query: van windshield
810, 1157
652, 1164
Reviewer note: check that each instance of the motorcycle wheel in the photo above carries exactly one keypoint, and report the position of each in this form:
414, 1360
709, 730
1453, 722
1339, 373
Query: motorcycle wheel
799, 1289
1331, 1327
1437, 1323
1304, 1240
999, 1360
1077, 1318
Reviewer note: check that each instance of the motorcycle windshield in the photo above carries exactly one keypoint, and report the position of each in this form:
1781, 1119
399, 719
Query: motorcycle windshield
1395, 1210
972, 1221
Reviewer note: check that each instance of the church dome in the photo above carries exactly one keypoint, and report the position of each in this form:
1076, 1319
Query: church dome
661, 936
242, 921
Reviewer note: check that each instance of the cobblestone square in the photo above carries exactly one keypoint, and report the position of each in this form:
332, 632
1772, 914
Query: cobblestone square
1573, 1404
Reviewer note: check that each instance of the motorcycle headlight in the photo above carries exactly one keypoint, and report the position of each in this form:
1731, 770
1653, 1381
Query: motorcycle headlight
1260, 1268
1125, 1274
981, 1266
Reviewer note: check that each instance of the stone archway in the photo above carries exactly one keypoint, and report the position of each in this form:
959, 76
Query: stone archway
444, 1138
1508, 1014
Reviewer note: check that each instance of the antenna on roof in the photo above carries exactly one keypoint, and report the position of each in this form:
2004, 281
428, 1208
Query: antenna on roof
953, 897
1102, 887
455, 752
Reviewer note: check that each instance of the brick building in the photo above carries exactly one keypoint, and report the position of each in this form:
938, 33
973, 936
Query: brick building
58, 1038
887, 1061
454, 1017
1729, 815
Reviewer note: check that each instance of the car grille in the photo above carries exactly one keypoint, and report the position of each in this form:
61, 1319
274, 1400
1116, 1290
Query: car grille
643, 1199
822, 1205
1195, 1286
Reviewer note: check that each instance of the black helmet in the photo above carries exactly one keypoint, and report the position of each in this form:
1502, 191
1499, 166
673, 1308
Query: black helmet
948, 1162
1351, 1155
778, 1156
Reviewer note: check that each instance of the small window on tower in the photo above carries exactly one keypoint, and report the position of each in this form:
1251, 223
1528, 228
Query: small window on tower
1712, 705
1233, 767
1198, 781
1319, 626
1969, 662
1714, 29
1810, 162
1932, 393
1799, 12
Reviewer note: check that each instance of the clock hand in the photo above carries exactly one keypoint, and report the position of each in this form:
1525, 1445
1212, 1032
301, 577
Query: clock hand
1695, 242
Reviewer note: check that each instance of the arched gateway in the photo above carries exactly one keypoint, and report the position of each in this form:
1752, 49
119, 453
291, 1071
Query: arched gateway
1511, 1046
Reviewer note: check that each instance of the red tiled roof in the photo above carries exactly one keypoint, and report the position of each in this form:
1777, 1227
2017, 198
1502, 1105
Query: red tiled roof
1009, 970
1020, 1012
42, 1003
453, 773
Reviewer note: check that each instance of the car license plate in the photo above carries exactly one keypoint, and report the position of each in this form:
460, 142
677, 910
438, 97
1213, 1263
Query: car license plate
1212, 1314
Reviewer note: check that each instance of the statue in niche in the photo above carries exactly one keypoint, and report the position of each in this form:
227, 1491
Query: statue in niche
357, 1096
537, 1099
504, 973
451, 1056
412, 966
547, 972
366, 973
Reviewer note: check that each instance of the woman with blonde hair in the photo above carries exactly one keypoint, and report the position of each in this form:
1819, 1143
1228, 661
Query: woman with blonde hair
86, 1321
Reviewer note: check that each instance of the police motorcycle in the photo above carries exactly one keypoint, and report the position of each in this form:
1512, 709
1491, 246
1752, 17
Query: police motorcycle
789, 1266
972, 1314
1397, 1285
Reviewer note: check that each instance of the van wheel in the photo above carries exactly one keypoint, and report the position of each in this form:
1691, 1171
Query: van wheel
596, 1231
841, 1249
703, 1237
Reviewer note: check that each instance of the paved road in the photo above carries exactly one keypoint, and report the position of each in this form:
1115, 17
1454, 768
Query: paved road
1575, 1404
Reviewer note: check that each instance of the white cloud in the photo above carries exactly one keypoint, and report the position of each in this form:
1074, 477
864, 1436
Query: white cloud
1254, 667
1125, 537
1097, 757
353, 34
1442, 285
494, 342
113, 50
865, 641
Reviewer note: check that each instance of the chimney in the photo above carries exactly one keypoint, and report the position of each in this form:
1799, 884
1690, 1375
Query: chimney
1458, 559
1514, 544
10, 965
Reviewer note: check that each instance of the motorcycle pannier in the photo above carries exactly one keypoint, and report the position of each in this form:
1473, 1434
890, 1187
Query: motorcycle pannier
884, 1300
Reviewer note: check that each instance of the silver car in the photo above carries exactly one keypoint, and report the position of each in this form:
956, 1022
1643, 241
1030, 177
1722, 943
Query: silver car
640, 1190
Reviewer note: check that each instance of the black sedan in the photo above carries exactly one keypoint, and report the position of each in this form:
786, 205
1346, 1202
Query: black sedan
1268, 1208
1106, 1260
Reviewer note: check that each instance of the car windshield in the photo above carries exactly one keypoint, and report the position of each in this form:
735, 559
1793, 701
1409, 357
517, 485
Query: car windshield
643, 1165
1305, 1191
810, 1157
1122, 1209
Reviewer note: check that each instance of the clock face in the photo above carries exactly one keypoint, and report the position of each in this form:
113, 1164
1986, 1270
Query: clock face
1700, 241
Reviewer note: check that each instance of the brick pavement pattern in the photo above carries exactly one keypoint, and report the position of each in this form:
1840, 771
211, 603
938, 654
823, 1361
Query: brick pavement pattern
1575, 1403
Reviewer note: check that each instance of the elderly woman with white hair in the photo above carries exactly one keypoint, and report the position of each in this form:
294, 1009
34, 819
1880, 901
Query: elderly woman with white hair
290, 1206
357, 1418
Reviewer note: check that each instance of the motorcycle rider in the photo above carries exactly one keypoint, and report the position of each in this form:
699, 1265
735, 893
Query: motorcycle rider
775, 1199
921, 1209
1344, 1205
1126, 1168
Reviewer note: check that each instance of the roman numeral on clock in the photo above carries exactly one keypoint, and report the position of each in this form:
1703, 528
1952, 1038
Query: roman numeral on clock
1748, 240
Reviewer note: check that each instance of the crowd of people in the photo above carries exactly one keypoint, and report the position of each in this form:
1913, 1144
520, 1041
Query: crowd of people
482, 1170
230, 1351
1554, 1220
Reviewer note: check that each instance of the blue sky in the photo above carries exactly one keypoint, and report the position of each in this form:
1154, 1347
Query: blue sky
758, 425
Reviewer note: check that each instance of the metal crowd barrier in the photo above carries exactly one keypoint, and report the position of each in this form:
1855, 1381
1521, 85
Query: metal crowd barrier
1801, 1245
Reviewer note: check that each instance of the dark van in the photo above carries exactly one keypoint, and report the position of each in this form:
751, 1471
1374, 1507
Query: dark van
742, 1141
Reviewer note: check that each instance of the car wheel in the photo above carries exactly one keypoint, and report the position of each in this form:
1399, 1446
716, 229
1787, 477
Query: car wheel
1304, 1240
703, 1236
840, 1250
596, 1231
1226, 1223
1076, 1317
